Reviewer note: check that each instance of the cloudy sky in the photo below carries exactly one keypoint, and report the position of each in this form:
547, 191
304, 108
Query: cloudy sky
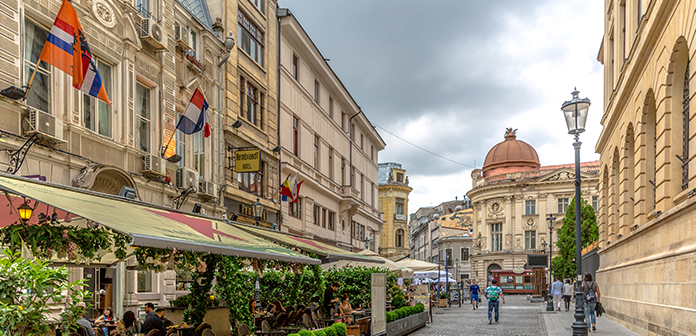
451, 75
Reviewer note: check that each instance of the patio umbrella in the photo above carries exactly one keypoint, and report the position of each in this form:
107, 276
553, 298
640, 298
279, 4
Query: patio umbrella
404, 272
417, 265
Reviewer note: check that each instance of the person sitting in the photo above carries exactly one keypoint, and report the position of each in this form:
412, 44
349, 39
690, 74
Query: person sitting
83, 321
154, 321
345, 310
106, 317
127, 326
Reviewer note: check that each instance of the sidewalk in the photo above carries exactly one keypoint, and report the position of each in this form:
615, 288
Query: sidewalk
559, 323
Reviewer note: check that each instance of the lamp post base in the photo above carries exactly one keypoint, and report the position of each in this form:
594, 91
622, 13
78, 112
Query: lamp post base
579, 326
549, 301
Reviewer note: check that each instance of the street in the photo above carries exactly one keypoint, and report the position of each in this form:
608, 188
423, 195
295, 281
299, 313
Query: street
517, 317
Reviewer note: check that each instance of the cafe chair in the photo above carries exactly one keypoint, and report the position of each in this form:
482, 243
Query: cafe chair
307, 321
201, 327
98, 332
317, 323
167, 323
208, 332
243, 329
81, 331
154, 332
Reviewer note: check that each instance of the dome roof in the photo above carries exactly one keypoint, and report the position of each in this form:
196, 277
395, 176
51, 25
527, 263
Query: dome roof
510, 156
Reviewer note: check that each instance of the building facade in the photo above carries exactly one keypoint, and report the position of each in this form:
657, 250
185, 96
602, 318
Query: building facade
393, 203
327, 142
512, 197
427, 225
456, 249
646, 238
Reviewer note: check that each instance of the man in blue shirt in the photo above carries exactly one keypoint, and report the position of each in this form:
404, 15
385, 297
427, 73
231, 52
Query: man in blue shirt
557, 292
474, 290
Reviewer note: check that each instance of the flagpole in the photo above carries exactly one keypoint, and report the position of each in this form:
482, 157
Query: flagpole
31, 80
164, 151
281, 187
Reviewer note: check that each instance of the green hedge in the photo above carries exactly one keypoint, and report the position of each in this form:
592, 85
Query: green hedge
404, 312
357, 283
336, 329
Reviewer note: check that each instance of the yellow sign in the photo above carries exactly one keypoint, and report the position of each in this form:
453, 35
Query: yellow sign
246, 161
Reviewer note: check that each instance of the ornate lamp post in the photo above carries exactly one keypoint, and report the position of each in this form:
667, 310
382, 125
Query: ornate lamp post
575, 113
258, 210
549, 295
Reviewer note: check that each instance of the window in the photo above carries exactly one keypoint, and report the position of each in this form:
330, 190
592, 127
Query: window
496, 237
250, 38
362, 142
295, 208
295, 136
639, 11
530, 240
323, 217
372, 194
352, 176
316, 92
199, 153
400, 177
258, 4
685, 130
343, 171
144, 281
399, 208
253, 181
344, 118
39, 97
96, 114
331, 164
295, 67
372, 152
399, 238
530, 207
563, 204
142, 120
317, 213
316, 152
143, 6
181, 145
251, 102
595, 203
331, 103
193, 44
448, 257
332, 220
362, 187
465, 254
352, 131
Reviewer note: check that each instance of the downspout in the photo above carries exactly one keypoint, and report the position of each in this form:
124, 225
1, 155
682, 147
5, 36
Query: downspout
350, 162
279, 16
229, 44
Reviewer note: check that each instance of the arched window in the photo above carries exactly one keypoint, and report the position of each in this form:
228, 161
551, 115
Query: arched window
685, 130
399, 238
630, 177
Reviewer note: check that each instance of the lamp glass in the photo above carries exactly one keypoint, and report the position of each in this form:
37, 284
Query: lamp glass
576, 116
258, 208
25, 211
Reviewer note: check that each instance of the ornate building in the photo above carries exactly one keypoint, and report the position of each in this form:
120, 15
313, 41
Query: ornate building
327, 142
512, 196
393, 203
429, 224
646, 219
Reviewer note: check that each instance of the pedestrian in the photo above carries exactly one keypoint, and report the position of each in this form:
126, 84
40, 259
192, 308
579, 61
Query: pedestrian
493, 293
330, 299
474, 291
557, 291
567, 293
590, 289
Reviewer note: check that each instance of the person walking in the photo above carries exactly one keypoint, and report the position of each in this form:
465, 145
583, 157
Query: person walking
567, 293
557, 291
474, 291
590, 289
493, 293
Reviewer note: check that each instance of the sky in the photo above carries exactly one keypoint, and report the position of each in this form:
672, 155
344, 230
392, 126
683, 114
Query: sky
450, 76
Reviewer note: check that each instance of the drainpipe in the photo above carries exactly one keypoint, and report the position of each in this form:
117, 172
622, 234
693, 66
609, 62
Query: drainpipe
350, 162
229, 45
280, 14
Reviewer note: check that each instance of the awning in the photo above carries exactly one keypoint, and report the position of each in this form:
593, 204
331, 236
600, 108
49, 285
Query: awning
150, 225
306, 244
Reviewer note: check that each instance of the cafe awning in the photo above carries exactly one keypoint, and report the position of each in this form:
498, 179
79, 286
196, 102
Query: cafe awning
150, 225
306, 244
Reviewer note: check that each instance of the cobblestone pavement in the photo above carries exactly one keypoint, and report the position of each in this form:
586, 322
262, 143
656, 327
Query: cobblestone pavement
518, 317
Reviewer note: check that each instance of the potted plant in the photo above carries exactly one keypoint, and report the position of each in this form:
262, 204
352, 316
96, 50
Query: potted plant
443, 300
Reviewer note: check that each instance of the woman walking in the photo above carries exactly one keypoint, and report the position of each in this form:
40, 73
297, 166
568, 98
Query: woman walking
590, 289
567, 293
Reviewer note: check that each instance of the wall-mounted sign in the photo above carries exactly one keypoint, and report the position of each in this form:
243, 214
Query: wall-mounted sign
246, 161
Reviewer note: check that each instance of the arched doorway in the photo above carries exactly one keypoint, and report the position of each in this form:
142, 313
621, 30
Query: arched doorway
489, 274
106, 179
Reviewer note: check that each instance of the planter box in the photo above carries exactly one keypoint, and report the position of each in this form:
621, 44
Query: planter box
442, 303
407, 324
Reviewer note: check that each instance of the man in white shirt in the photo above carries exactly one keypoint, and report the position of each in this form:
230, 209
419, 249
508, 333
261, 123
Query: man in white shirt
567, 293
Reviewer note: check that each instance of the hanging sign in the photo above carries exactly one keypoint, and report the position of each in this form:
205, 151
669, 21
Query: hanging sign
246, 161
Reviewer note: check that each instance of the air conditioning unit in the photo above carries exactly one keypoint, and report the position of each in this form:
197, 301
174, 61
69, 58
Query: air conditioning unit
183, 37
156, 164
209, 188
186, 178
46, 124
152, 33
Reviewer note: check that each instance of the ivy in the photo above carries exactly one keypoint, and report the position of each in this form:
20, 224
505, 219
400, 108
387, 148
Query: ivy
356, 282
235, 287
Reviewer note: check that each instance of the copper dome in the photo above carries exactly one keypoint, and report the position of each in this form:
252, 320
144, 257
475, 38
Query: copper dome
510, 156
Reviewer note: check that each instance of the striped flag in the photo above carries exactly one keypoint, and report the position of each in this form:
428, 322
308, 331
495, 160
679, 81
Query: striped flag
66, 49
291, 189
195, 117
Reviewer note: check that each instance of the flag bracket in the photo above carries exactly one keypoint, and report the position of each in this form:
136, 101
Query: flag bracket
17, 156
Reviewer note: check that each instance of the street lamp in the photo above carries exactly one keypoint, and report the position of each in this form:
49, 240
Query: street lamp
549, 295
25, 212
575, 112
258, 210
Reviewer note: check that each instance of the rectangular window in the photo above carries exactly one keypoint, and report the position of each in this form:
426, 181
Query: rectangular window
295, 136
317, 212
39, 97
316, 152
352, 176
399, 206
362, 142
563, 204
372, 152
530, 207
96, 114
448, 257
400, 177
252, 182
296, 67
372, 194
332, 220
343, 171
295, 208
144, 281
344, 118
362, 187
251, 102
250, 38
331, 103
194, 43
181, 145
465, 254
143, 7
199, 153
530, 240
316, 92
142, 120
496, 237
258, 4
352, 131
323, 217
595, 203
331, 164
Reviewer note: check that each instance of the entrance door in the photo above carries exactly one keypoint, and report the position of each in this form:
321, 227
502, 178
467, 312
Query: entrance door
489, 277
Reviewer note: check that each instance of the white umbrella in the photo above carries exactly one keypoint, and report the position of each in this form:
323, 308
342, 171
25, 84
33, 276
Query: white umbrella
404, 272
417, 265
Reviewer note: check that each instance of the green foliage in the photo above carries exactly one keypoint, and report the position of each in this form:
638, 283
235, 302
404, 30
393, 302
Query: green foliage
200, 290
356, 282
563, 265
27, 289
404, 312
398, 300
443, 295
340, 329
182, 301
319, 332
330, 331
305, 333
235, 287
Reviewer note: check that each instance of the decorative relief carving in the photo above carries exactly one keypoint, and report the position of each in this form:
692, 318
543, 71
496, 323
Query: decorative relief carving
104, 13
518, 242
562, 176
530, 221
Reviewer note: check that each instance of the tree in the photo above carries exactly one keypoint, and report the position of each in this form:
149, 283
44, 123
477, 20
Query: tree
563, 265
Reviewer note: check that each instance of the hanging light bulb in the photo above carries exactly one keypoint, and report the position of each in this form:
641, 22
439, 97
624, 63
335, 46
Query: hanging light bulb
25, 212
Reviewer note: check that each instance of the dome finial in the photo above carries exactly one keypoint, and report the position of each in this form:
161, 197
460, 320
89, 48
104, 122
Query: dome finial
510, 132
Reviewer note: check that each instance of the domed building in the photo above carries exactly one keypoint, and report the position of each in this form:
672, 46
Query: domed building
512, 196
